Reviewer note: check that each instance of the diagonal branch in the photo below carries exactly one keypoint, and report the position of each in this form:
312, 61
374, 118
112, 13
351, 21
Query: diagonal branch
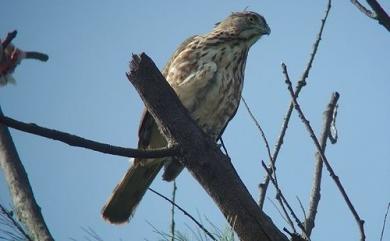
200, 154
283, 199
258, 127
384, 222
377, 13
74, 140
26, 208
335, 178
302, 82
316, 188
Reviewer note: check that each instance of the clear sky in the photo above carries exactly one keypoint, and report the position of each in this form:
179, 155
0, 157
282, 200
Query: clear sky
82, 89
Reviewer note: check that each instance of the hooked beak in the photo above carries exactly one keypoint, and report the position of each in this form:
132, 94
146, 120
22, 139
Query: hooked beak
267, 30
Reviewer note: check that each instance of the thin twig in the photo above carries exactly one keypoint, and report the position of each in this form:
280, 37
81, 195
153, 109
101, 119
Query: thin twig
277, 209
14, 223
359, 221
74, 140
315, 195
185, 213
173, 211
224, 147
258, 127
280, 194
302, 82
302, 209
384, 221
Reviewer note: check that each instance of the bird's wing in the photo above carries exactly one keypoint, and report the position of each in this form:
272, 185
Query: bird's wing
147, 121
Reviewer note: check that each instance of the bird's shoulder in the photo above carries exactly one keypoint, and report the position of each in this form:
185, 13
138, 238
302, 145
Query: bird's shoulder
187, 47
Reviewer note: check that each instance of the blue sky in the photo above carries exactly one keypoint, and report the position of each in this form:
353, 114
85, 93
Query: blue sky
82, 89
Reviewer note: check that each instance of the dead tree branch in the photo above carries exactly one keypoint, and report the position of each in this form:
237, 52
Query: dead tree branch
336, 179
26, 208
200, 154
315, 195
302, 82
74, 140
377, 13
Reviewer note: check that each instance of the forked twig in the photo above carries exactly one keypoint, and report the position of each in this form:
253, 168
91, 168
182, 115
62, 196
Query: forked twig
336, 179
302, 82
315, 195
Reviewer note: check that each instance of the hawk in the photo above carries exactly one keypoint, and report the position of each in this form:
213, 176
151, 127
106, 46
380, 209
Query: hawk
207, 73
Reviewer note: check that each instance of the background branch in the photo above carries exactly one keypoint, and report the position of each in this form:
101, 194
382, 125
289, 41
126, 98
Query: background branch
25, 206
284, 200
384, 221
200, 154
315, 195
185, 213
74, 140
302, 82
336, 179
258, 127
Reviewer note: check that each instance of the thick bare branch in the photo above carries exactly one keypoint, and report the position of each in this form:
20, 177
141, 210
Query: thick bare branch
377, 13
201, 156
302, 82
74, 140
26, 208
316, 188
335, 178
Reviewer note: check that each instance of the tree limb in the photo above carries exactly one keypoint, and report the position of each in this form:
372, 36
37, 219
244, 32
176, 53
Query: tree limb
74, 140
302, 82
335, 178
378, 12
26, 208
200, 154
316, 188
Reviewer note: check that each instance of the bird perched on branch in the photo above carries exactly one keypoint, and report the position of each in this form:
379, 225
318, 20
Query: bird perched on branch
207, 73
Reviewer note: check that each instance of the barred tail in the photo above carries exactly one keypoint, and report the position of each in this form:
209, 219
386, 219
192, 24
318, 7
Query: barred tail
129, 192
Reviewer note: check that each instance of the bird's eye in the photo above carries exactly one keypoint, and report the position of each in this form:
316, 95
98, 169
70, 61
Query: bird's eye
251, 19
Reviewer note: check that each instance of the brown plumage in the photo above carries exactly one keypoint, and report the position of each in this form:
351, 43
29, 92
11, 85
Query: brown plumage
206, 72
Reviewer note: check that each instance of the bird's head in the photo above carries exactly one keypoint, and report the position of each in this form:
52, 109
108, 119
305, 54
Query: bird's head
246, 25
